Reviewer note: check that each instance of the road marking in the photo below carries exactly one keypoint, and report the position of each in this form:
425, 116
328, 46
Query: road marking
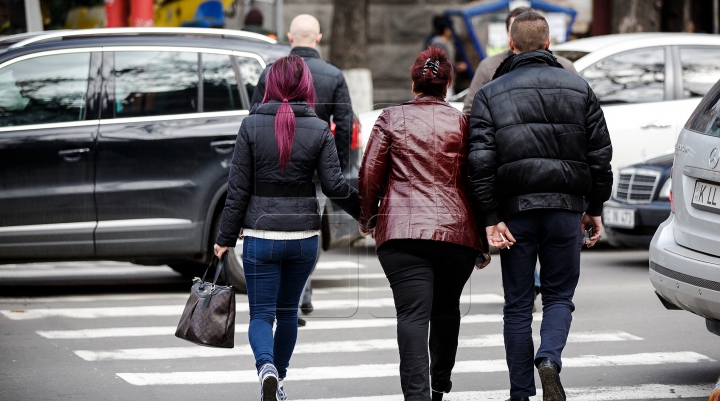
640, 392
352, 289
84, 272
339, 264
494, 340
391, 369
176, 310
348, 276
94, 298
313, 324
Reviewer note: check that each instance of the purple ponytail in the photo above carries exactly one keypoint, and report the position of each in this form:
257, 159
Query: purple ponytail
288, 79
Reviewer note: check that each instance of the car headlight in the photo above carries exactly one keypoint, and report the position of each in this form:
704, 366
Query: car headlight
665, 190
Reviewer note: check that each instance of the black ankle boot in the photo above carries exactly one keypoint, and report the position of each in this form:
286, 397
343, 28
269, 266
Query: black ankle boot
437, 395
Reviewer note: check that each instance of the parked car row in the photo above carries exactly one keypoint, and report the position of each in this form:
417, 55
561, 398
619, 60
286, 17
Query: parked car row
115, 144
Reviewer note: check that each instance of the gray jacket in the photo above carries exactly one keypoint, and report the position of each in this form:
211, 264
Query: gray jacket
486, 69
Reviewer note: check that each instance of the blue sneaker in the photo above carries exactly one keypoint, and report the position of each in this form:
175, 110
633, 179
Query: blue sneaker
268, 382
281, 396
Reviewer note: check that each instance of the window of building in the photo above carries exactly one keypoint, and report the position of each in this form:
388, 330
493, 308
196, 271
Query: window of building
46, 89
636, 76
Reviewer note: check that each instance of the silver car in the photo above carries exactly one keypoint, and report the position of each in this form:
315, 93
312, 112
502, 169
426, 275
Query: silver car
685, 251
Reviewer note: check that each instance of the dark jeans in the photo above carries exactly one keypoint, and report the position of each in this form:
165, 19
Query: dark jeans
427, 279
553, 236
275, 272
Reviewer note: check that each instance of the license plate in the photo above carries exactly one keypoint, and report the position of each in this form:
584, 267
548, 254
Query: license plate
617, 217
706, 196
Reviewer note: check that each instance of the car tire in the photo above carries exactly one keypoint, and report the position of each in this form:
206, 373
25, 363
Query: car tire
235, 264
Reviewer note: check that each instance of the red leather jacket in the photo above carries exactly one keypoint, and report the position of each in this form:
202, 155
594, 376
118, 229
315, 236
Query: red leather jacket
415, 168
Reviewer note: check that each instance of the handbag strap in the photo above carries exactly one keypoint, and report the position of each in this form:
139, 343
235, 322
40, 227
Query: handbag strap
220, 264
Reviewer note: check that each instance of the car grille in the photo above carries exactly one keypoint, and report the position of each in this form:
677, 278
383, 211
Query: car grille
636, 185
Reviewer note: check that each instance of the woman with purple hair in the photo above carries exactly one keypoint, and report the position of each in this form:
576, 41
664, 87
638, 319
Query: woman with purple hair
271, 199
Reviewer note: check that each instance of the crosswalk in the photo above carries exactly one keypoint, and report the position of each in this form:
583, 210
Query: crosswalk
95, 330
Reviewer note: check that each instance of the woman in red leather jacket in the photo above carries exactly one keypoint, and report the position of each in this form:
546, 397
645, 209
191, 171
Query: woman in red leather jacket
413, 199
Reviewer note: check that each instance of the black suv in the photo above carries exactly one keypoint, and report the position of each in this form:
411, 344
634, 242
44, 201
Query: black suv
115, 143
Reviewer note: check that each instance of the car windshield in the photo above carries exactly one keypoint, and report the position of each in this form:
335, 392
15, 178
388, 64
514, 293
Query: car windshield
572, 55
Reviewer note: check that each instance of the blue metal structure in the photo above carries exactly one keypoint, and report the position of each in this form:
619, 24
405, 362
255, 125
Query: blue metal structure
209, 14
468, 12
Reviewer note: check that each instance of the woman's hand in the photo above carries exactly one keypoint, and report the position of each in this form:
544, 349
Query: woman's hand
220, 250
366, 233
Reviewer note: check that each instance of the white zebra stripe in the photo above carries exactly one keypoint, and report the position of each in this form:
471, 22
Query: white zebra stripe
313, 324
391, 369
176, 310
494, 340
640, 392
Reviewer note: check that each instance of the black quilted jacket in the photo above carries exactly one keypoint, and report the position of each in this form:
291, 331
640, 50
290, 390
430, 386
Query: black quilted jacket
263, 197
538, 140
333, 98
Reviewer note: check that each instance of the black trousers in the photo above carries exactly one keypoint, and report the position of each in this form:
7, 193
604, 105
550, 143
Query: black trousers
427, 279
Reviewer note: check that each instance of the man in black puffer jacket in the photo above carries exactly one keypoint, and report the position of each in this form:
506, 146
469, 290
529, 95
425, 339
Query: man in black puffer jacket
331, 91
540, 171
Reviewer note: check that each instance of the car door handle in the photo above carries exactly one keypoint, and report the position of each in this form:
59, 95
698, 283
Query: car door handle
655, 124
73, 155
223, 146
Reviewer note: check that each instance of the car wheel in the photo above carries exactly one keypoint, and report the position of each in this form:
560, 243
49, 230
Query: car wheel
189, 269
235, 267
235, 264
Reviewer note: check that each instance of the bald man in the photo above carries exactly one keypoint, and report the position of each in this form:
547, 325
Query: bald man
331, 91
332, 100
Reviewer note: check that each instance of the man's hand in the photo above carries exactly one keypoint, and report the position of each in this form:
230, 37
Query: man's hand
596, 223
220, 250
499, 236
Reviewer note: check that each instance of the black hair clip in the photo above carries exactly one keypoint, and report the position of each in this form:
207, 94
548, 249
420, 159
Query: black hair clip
431, 64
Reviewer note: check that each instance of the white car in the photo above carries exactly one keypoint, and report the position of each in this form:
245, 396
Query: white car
685, 251
648, 85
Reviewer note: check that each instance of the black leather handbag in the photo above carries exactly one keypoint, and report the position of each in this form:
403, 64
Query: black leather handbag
209, 315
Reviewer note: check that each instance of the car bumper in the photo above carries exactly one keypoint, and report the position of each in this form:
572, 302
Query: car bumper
647, 219
685, 278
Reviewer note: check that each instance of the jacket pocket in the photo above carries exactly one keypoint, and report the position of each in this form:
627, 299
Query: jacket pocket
257, 250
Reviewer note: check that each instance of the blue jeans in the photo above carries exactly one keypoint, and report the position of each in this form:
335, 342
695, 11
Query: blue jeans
275, 273
553, 236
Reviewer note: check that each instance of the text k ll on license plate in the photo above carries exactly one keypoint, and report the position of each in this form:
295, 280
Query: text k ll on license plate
706, 197
618, 217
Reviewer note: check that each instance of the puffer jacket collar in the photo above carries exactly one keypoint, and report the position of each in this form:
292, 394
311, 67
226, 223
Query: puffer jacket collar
300, 109
305, 52
531, 58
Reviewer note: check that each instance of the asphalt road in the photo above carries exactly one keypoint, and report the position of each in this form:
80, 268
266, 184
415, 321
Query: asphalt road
104, 331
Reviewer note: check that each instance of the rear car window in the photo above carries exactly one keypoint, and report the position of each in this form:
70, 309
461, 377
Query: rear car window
220, 87
706, 117
636, 76
700, 70
250, 70
46, 89
572, 55
151, 83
